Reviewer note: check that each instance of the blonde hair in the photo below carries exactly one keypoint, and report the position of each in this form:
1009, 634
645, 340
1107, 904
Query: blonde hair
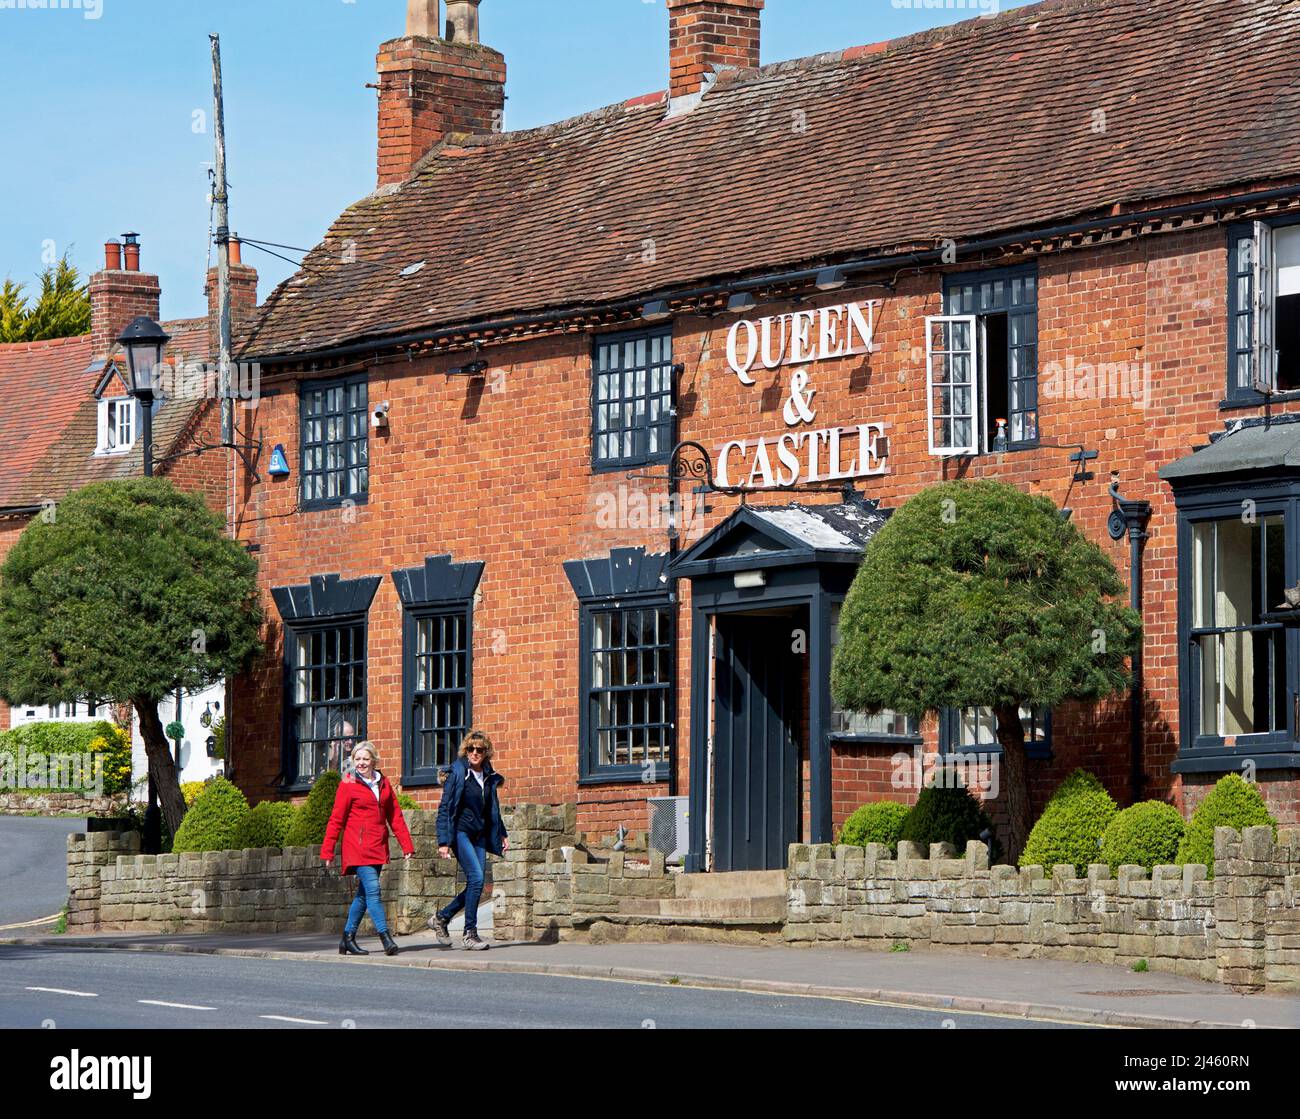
369, 748
476, 736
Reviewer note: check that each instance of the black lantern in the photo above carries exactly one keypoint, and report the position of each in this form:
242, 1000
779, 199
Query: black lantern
144, 341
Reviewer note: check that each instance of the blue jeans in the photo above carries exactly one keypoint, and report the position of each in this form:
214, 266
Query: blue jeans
367, 900
472, 857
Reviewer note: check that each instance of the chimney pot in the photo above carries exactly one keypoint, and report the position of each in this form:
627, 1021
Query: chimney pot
462, 21
423, 18
113, 255
131, 246
236, 253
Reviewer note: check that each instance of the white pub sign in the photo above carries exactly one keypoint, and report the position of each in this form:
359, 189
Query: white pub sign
829, 454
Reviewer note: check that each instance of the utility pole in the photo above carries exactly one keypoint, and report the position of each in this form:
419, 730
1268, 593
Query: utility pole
221, 200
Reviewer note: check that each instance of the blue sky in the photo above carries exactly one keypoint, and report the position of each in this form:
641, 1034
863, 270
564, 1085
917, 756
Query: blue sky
100, 133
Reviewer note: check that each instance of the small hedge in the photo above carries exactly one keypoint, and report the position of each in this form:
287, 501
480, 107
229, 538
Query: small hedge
214, 823
310, 821
190, 791
1145, 834
945, 815
878, 822
406, 803
1232, 803
267, 825
1071, 826
46, 740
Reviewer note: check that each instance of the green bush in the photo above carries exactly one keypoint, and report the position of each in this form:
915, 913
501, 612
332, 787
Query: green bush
1071, 826
406, 803
310, 821
214, 823
1145, 834
945, 815
41, 742
1232, 803
267, 825
878, 822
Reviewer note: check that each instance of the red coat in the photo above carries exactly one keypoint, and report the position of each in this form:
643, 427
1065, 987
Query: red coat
364, 823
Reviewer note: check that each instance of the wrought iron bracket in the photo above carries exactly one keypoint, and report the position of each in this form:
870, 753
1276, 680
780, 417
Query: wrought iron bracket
249, 453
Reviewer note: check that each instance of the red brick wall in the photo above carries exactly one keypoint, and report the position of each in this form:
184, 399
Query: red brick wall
502, 474
705, 33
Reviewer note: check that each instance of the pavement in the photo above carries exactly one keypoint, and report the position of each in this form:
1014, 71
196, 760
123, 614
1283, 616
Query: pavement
1046, 990
34, 870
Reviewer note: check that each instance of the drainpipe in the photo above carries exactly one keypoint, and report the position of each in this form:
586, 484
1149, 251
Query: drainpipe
1131, 517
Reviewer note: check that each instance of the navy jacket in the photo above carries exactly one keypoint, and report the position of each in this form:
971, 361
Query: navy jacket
449, 806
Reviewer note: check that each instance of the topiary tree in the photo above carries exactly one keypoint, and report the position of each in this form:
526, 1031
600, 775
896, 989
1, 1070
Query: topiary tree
1071, 826
1145, 834
1232, 803
127, 591
215, 821
267, 825
975, 594
878, 822
945, 813
310, 821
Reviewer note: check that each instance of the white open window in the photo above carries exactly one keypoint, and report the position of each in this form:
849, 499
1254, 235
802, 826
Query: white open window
117, 426
952, 365
1263, 360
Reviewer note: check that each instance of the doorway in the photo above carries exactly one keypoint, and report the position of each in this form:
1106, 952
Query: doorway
757, 731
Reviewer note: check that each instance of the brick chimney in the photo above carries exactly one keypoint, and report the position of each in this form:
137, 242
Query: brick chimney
704, 34
120, 293
243, 300
431, 86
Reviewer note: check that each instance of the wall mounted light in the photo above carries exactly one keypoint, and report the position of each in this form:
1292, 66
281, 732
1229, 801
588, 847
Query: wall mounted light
748, 580
741, 302
656, 311
831, 279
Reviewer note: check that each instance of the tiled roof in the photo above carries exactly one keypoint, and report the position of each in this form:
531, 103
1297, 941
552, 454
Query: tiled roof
49, 426
1040, 115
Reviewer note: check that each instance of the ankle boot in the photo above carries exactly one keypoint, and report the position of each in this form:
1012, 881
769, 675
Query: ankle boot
390, 945
348, 946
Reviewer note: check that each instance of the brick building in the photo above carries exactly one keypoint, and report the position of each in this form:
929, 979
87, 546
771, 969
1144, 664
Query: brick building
1052, 247
75, 422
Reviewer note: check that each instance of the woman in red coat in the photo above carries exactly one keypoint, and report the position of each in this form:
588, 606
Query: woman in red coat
364, 809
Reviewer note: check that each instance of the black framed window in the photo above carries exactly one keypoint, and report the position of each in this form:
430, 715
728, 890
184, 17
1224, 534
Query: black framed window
629, 657
334, 440
975, 730
440, 695
632, 398
327, 683
859, 725
1238, 669
1263, 309
1002, 411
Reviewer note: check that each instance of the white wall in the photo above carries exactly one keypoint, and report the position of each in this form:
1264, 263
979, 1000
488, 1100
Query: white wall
195, 763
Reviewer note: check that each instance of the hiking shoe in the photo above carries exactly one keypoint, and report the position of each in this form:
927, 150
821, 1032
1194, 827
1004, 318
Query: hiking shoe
439, 927
471, 943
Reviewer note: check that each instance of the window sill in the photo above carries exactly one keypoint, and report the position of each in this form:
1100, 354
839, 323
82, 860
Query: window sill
1010, 449
1257, 400
877, 739
1230, 761
333, 503
424, 780
624, 467
629, 775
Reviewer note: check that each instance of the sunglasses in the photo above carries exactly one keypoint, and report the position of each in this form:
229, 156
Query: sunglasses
476, 749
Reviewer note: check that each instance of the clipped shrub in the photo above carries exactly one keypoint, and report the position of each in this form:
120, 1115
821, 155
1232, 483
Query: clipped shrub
944, 814
62, 752
311, 819
267, 825
1232, 803
406, 803
213, 824
190, 791
1071, 826
878, 822
1145, 834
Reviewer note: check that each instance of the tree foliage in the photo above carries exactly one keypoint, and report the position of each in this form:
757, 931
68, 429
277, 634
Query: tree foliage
128, 591
61, 309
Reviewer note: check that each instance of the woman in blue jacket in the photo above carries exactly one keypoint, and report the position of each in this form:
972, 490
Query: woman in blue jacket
470, 825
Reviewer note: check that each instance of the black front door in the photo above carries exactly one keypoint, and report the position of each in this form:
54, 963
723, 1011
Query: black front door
756, 745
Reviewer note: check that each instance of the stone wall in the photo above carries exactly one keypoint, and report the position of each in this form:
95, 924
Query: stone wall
61, 804
111, 886
1242, 928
